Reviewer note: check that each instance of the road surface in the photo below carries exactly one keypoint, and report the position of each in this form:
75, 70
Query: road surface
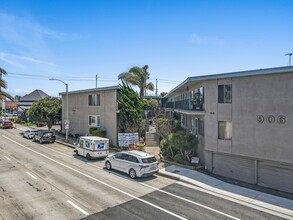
47, 181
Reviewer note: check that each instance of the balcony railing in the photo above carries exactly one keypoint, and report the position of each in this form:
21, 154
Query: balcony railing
184, 105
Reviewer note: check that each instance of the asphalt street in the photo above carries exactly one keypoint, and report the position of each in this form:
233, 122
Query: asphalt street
47, 181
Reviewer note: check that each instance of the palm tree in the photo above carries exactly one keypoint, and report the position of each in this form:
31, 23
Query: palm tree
138, 76
3, 85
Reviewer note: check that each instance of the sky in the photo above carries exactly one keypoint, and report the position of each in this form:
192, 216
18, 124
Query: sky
74, 41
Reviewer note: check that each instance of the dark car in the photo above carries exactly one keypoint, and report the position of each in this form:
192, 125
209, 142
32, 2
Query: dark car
6, 124
44, 136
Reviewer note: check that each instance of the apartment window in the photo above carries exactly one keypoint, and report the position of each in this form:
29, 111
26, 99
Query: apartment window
225, 93
94, 99
94, 120
201, 127
225, 130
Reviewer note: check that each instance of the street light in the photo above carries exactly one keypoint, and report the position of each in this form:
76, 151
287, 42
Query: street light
66, 123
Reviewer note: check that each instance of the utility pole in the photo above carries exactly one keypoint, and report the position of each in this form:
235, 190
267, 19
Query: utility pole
156, 87
96, 80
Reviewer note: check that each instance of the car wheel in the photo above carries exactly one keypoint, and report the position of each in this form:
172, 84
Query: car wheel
108, 165
34, 140
88, 156
53, 142
132, 173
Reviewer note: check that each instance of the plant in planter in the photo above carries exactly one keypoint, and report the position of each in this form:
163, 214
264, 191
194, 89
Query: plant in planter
197, 101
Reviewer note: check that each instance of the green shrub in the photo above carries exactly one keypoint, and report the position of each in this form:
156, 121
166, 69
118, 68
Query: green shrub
93, 129
13, 119
100, 133
166, 149
140, 147
179, 158
22, 122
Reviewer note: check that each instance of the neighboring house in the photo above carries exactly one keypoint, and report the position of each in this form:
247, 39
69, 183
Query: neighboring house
244, 122
10, 106
26, 101
92, 108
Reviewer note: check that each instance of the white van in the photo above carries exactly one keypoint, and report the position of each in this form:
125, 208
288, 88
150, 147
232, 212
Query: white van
92, 147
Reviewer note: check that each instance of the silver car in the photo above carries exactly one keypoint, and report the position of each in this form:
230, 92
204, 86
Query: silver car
30, 133
135, 163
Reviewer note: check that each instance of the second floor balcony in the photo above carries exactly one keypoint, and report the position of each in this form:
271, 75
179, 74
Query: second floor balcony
185, 105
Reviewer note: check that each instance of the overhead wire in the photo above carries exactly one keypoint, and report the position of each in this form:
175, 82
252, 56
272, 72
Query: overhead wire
76, 78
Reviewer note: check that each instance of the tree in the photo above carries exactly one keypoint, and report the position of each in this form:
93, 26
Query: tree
3, 85
17, 97
45, 110
130, 107
138, 76
163, 94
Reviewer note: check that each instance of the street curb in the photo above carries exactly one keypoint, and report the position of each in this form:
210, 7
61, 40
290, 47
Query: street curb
182, 165
66, 144
182, 179
160, 173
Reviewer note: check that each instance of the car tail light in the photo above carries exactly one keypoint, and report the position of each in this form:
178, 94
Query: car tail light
143, 166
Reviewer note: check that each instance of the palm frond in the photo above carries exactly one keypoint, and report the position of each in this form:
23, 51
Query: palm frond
2, 71
3, 84
4, 95
150, 86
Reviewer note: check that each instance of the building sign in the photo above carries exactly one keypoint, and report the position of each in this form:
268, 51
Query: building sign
195, 160
260, 119
281, 119
271, 119
126, 139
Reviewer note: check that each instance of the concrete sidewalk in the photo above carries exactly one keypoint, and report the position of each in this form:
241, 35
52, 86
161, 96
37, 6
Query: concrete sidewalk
272, 204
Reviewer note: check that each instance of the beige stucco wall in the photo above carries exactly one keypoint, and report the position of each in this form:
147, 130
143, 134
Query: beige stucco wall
252, 96
263, 95
79, 110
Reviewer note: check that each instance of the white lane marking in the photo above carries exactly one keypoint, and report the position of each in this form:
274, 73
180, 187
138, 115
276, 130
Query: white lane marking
179, 197
7, 158
57, 151
32, 176
99, 181
190, 201
77, 207
261, 206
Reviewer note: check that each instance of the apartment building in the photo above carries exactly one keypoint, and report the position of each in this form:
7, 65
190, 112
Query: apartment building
244, 123
92, 108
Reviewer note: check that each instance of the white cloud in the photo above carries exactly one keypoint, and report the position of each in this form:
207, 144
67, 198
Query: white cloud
16, 60
17, 91
25, 43
205, 40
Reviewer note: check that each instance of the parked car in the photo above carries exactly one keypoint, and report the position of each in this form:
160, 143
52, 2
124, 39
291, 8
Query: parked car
44, 136
30, 133
135, 163
5, 124
10, 114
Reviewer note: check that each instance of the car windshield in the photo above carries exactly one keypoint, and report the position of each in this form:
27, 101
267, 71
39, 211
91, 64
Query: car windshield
7, 121
48, 134
149, 160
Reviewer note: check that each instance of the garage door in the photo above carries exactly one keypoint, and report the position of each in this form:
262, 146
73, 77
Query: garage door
234, 167
275, 175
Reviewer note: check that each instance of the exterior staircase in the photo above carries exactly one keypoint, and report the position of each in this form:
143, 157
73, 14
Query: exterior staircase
152, 139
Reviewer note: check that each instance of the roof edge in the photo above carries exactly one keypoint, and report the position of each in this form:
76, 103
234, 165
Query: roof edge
275, 70
91, 90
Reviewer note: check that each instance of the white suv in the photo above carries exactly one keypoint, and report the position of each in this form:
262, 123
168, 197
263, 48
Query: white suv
135, 163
